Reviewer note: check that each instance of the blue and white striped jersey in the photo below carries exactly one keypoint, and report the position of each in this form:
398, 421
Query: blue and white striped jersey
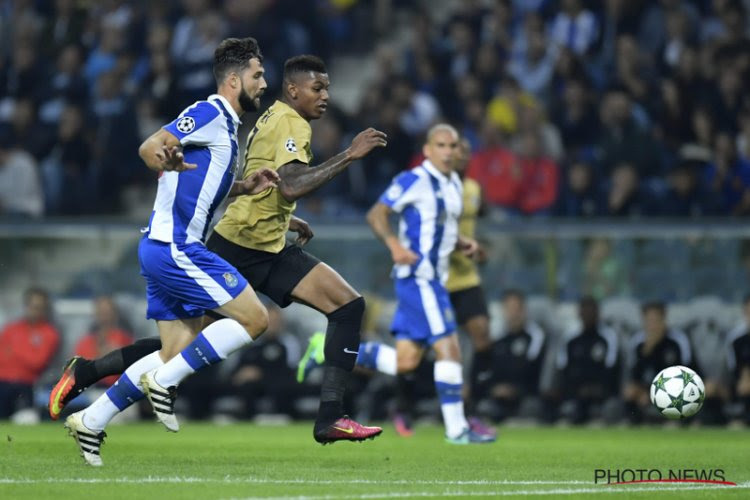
186, 201
429, 203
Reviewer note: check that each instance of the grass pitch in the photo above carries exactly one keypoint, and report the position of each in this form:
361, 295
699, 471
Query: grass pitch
249, 461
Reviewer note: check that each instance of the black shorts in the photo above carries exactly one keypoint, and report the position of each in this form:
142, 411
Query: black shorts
272, 274
468, 303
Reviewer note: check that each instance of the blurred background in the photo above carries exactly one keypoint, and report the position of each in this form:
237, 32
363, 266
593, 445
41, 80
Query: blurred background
611, 139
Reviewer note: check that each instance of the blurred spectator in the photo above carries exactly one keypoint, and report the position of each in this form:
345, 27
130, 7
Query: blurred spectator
68, 186
115, 154
728, 177
107, 334
575, 117
588, 364
534, 69
26, 348
516, 360
654, 348
603, 273
67, 85
686, 196
621, 138
498, 171
624, 198
575, 27
20, 189
738, 361
653, 26
64, 28
540, 176
266, 369
578, 196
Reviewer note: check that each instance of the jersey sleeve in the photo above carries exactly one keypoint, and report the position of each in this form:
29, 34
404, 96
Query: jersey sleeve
401, 192
292, 142
196, 125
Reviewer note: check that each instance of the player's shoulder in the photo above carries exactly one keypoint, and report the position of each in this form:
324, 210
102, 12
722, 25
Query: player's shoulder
408, 178
281, 113
204, 109
471, 185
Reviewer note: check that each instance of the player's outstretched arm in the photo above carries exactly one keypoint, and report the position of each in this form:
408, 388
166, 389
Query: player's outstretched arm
377, 217
163, 152
298, 179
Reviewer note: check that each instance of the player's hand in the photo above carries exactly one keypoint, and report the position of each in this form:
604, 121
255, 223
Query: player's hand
467, 246
172, 160
366, 141
481, 255
302, 228
402, 255
260, 180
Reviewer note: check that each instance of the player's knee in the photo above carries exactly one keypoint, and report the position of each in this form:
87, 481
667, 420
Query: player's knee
255, 321
408, 361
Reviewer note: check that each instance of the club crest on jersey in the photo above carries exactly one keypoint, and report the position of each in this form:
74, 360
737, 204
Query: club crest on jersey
290, 145
230, 279
185, 124
394, 192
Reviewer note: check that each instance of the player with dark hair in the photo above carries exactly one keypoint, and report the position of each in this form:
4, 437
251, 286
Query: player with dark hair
588, 363
651, 350
196, 157
252, 236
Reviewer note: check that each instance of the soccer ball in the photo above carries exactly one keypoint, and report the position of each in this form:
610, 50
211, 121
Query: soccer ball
677, 392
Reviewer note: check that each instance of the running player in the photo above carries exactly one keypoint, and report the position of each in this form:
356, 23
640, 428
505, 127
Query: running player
428, 199
196, 157
252, 237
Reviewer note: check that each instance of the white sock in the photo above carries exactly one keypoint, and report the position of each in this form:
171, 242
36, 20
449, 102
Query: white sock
449, 382
123, 393
386, 360
216, 342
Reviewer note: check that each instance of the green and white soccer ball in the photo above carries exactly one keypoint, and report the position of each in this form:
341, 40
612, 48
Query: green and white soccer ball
677, 392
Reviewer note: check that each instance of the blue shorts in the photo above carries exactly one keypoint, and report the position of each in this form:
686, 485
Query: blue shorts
185, 280
424, 313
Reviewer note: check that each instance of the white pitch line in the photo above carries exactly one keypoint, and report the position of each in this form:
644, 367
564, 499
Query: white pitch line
251, 480
603, 489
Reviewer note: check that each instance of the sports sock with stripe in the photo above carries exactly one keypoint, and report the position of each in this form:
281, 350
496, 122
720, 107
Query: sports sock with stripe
217, 341
448, 382
377, 357
122, 394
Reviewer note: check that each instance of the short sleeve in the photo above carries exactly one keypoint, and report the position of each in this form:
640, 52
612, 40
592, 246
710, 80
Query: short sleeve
401, 192
292, 142
196, 125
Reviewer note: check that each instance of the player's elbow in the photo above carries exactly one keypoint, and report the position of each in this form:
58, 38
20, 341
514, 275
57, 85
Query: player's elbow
374, 214
146, 153
288, 192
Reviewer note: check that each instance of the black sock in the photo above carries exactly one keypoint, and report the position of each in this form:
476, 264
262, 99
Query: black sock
405, 394
331, 396
115, 362
480, 365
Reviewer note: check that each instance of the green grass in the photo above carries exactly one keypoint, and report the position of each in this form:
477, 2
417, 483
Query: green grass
249, 461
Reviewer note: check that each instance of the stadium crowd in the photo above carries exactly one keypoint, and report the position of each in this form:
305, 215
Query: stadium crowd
621, 108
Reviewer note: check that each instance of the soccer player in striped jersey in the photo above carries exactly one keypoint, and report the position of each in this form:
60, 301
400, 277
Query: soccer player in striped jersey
428, 200
252, 236
196, 157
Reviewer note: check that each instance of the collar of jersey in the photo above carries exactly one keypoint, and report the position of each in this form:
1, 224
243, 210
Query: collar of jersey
432, 169
228, 107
